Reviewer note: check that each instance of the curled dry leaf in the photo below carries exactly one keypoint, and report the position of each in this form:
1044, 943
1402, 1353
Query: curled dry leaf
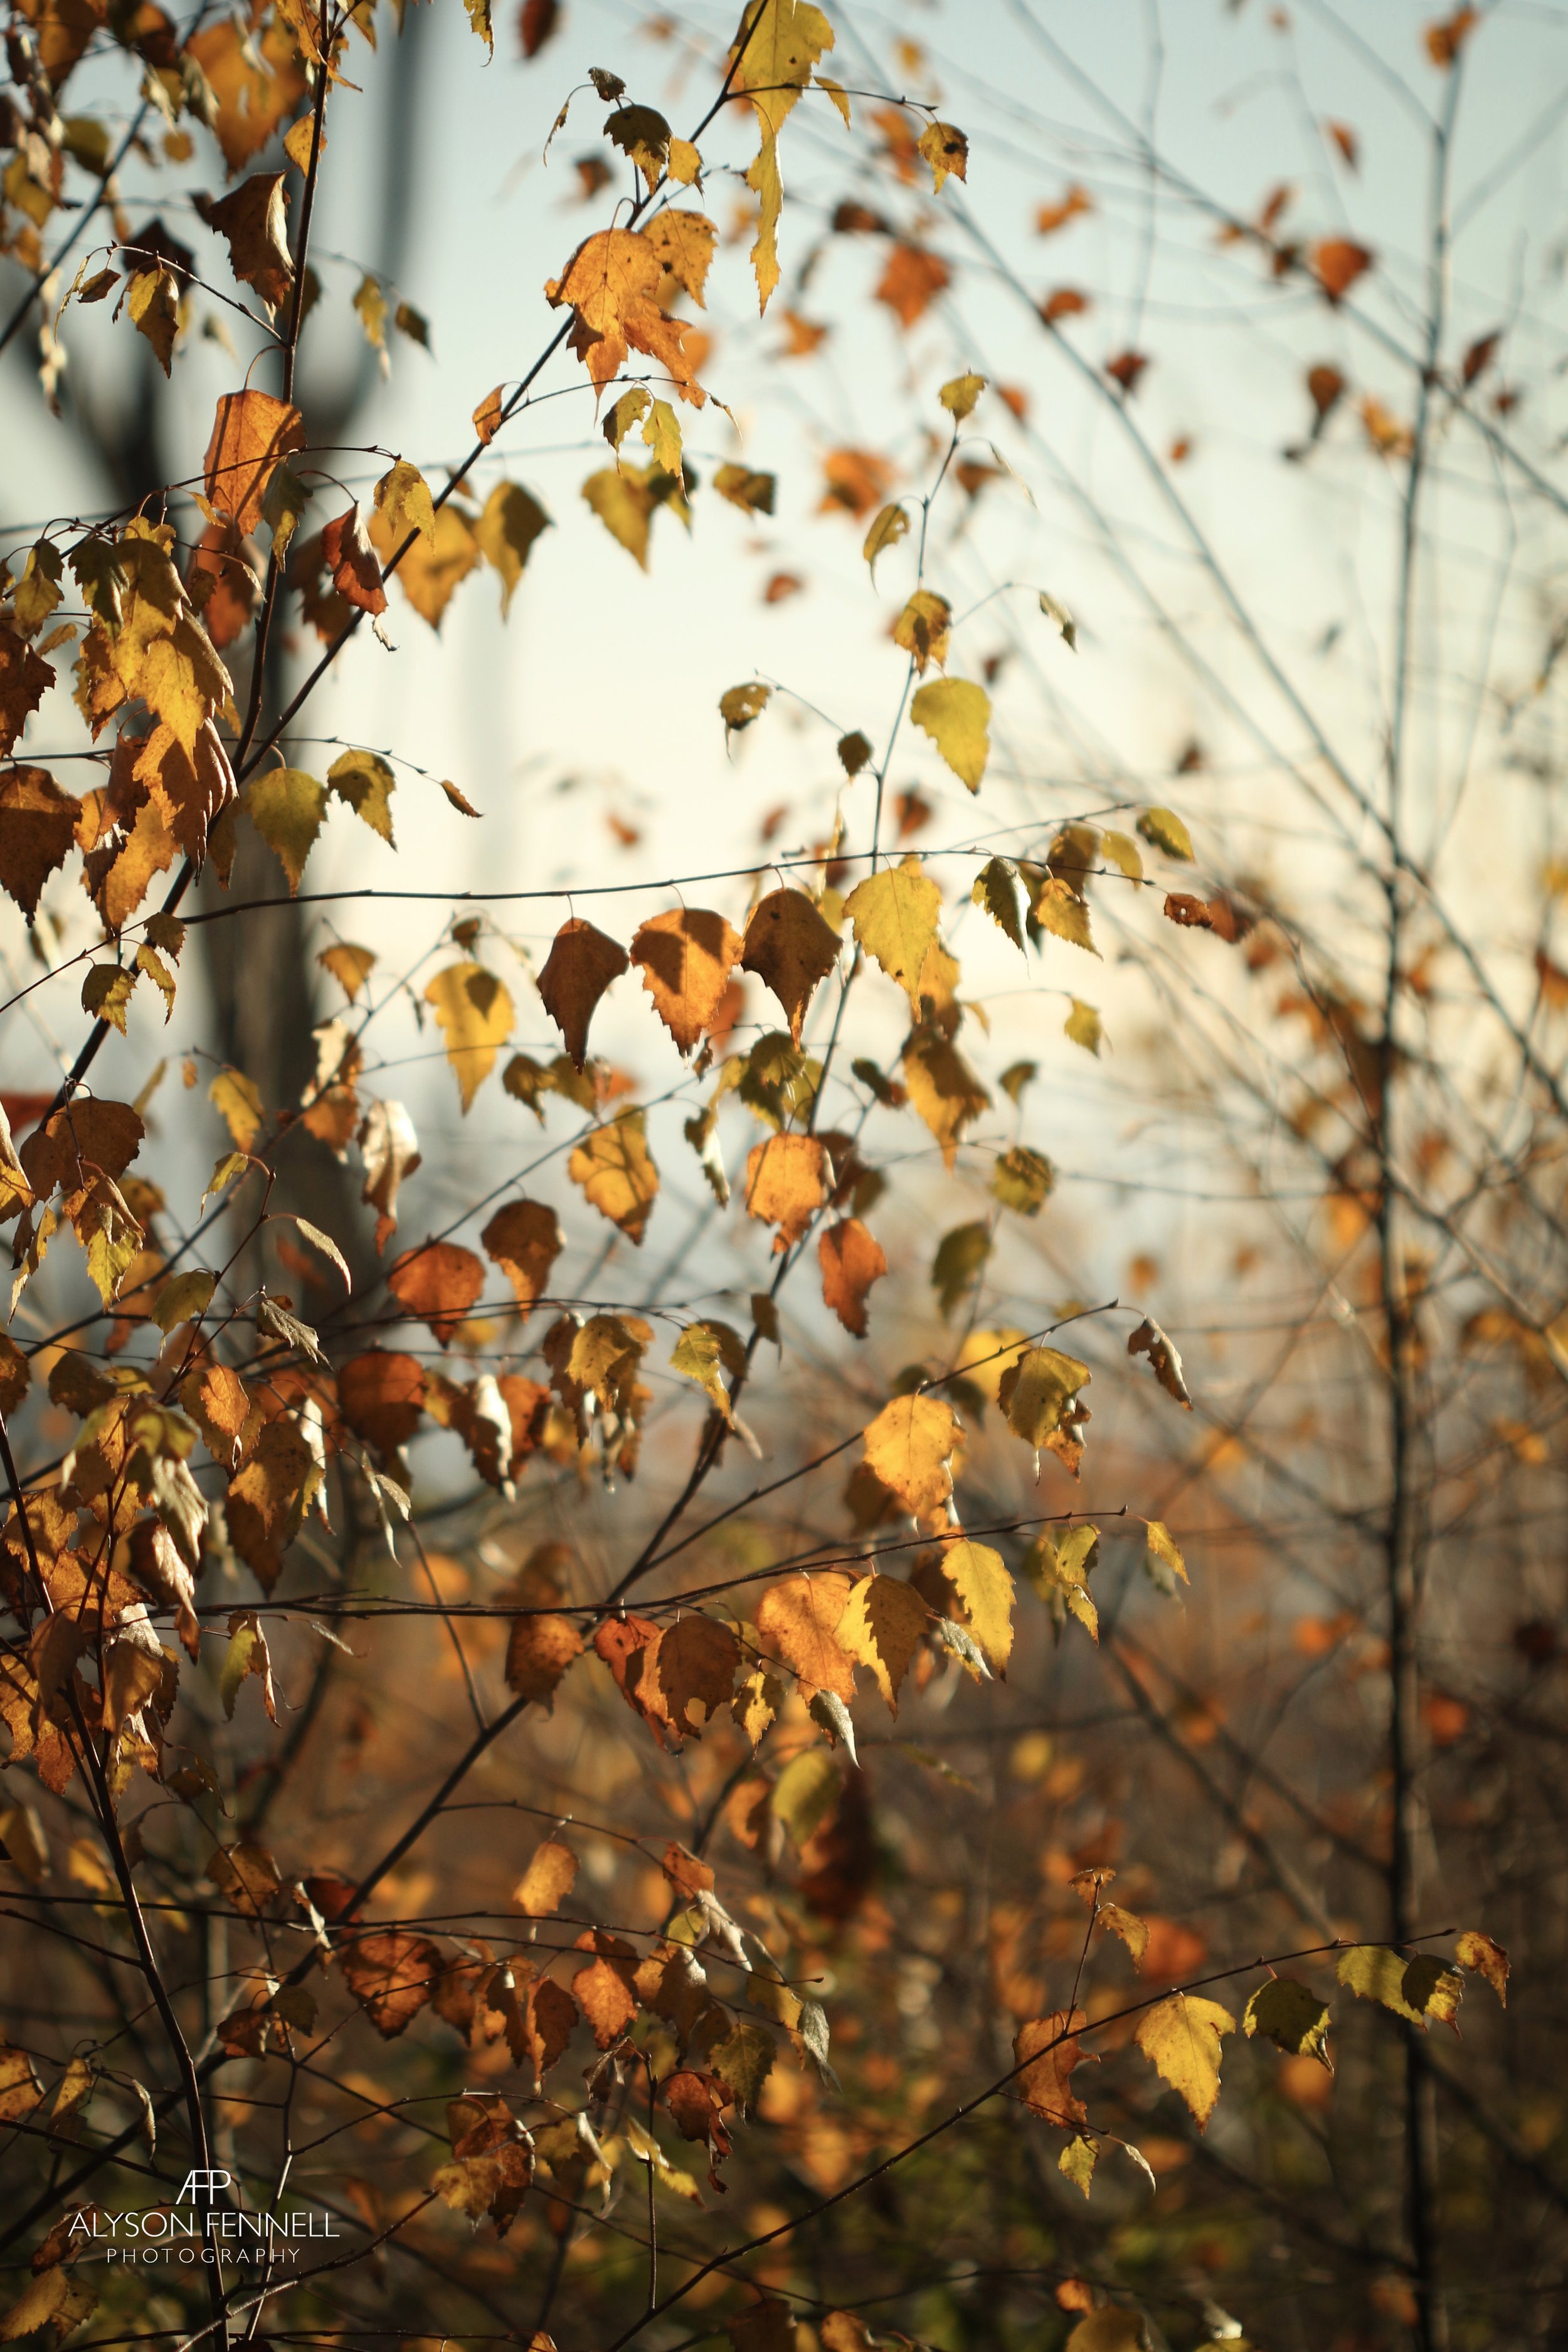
352, 561
1149, 1341
390, 1149
1050, 2047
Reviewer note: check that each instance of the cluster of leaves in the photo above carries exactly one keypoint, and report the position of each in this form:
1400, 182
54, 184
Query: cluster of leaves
214, 1433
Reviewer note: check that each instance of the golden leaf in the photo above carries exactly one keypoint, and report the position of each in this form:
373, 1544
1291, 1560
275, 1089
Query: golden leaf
476, 1017
612, 283
251, 435
287, 806
686, 957
882, 1626
1181, 2039
956, 715
852, 1259
797, 1619
895, 915
943, 1088
548, 1880
979, 1576
506, 531
909, 1447
784, 1184
615, 1171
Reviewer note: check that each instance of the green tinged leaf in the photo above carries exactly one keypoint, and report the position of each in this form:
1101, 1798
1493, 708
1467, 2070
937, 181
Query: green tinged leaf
996, 889
183, 1299
1165, 828
888, 527
287, 807
1083, 1026
803, 1792
959, 394
1022, 1180
366, 783
960, 1256
1058, 909
703, 1352
1289, 2015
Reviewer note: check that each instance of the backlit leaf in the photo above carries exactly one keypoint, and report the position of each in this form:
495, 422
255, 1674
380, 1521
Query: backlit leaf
511, 521
956, 715
252, 435
909, 1447
797, 1619
851, 1259
791, 949
685, 958
1165, 830
1181, 2038
475, 1013
287, 807
1050, 2045
1291, 2016
895, 915
979, 1576
617, 1173
784, 1184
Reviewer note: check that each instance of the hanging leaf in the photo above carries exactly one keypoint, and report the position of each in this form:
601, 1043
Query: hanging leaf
475, 1014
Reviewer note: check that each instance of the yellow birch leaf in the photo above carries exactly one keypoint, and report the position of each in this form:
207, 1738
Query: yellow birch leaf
238, 1099
979, 1576
287, 806
1057, 908
617, 1173
1181, 2039
506, 531
943, 1088
1034, 1392
402, 497
475, 1013
1289, 2015
882, 1626
909, 1446
956, 715
889, 526
548, 1880
895, 915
